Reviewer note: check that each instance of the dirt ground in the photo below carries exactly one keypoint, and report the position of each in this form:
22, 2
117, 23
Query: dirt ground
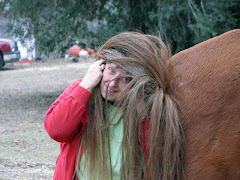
26, 92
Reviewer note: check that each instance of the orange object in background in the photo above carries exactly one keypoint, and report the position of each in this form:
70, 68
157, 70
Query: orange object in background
91, 52
74, 50
26, 62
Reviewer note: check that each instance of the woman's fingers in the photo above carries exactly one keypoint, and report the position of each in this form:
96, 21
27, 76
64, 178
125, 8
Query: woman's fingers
93, 75
103, 67
99, 62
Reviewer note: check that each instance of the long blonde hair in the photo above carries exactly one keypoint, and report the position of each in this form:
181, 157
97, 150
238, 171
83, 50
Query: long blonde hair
146, 59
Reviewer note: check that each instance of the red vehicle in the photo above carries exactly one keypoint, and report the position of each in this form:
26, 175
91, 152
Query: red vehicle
8, 51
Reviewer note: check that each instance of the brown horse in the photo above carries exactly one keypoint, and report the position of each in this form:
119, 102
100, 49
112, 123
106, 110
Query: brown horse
207, 85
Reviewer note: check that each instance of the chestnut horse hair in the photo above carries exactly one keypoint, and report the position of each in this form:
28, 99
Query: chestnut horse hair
206, 83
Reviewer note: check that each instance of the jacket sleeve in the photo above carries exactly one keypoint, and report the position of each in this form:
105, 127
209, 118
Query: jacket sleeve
68, 113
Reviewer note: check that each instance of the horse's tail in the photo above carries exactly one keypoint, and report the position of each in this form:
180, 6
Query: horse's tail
166, 133
148, 96
165, 140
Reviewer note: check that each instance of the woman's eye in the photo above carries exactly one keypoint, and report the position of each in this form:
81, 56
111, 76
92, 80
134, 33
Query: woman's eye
126, 79
111, 70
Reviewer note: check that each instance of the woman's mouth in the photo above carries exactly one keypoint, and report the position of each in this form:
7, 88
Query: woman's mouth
110, 90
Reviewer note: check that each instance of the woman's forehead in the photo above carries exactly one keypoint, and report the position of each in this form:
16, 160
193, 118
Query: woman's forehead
113, 65
117, 67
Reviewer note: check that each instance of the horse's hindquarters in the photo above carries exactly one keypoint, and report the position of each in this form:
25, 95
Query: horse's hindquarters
207, 86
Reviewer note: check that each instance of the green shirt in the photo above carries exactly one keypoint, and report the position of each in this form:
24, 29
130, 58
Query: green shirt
116, 136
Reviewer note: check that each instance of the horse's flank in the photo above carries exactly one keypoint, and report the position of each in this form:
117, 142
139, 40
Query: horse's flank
206, 83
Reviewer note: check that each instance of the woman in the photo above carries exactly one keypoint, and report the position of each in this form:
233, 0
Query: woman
119, 121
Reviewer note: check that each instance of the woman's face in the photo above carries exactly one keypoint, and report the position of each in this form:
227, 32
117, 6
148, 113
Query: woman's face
116, 86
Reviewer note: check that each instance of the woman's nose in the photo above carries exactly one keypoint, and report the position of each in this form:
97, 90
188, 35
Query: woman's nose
113, 83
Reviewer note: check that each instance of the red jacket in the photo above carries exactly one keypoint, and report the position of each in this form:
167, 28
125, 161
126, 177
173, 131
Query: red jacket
65, 121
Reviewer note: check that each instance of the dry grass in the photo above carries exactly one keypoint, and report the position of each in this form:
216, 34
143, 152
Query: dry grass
26, 92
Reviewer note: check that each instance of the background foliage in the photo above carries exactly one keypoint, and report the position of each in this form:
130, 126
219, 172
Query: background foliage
57, 24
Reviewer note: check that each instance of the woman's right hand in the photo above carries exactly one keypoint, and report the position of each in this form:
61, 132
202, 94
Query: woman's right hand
93, 75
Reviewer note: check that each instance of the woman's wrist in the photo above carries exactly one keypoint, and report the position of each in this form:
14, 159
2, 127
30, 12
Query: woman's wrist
86, 86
